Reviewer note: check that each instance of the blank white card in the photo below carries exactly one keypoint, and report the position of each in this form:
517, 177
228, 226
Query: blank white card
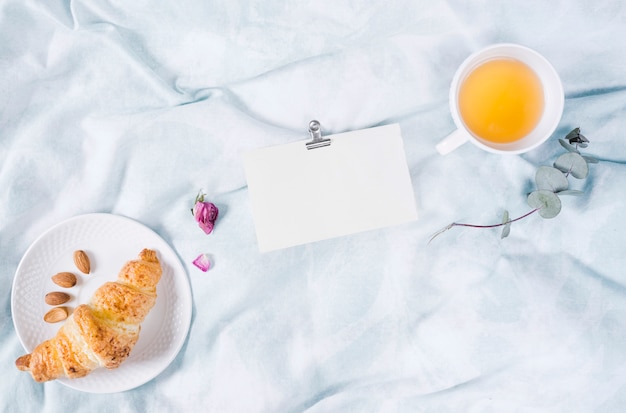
359, 182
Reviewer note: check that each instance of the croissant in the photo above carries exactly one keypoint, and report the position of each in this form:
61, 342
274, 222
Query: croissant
103, 332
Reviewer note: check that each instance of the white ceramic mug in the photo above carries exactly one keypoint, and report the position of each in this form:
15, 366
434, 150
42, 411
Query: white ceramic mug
552, 94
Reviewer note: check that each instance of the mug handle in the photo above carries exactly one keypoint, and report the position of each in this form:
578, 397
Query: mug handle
452, 141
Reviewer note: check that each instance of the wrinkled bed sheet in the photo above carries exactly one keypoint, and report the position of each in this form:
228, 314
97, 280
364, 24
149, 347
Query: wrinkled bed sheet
131, 107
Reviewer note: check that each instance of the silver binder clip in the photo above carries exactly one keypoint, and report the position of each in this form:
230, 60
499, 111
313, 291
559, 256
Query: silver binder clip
315, 130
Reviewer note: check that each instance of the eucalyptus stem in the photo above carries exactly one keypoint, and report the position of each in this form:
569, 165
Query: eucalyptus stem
457, 224
460, 224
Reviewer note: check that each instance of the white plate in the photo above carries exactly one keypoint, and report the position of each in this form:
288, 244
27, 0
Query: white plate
110, 241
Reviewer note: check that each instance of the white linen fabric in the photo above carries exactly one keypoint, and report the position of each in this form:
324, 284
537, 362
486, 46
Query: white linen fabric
132, 107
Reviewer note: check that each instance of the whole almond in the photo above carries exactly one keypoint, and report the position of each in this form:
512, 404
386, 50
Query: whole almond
82, 261
64, 279
56, 298
55, 315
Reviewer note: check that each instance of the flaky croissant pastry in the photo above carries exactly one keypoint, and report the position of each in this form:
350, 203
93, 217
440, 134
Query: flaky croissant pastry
103, 332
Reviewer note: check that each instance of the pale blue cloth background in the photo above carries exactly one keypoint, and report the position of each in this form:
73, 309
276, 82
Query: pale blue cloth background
131, 107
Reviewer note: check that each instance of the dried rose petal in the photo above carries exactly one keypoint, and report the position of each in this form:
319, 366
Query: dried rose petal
202, 262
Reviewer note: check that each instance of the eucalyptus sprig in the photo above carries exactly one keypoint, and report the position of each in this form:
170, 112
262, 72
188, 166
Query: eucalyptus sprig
552, 182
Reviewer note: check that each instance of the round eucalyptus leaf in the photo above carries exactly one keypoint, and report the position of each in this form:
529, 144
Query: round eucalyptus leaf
547, 202
574, 134
506, 229
573, 163
570, 148
590, 159
550, 179
571, 192
505, 216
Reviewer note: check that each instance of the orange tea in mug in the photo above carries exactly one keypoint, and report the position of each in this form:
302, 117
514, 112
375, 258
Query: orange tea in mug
501, 100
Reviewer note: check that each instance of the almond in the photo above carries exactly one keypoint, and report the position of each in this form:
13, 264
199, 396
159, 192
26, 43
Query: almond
56, 298
64, 279
55, 315
82, 261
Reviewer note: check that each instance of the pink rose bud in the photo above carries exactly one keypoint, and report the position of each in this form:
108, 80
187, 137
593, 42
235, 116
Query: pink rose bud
205, 214
202, 262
